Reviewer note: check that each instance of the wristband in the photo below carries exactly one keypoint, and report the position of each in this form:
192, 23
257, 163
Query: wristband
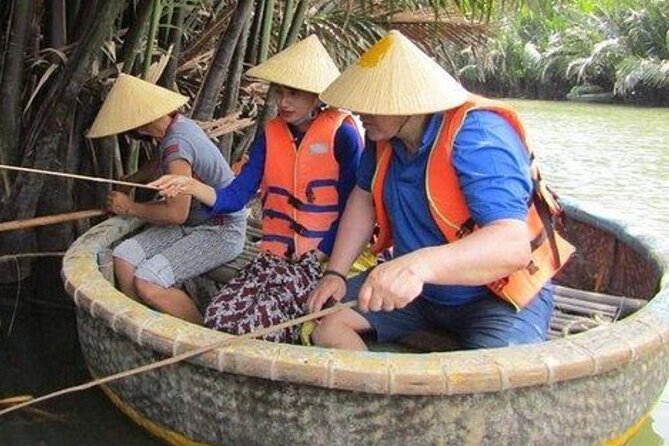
330, 272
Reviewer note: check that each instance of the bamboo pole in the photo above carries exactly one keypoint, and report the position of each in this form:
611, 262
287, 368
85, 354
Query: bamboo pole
266, 32
627, 304
11, 401
24, 398
50, 219
584, 307
31, 255
181, 357
77, 177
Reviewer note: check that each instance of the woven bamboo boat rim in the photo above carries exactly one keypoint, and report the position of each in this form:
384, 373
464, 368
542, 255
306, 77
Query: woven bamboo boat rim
592, 353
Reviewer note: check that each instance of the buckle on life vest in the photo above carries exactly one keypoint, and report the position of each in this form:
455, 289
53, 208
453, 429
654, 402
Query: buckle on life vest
466, 228
311, 196
498, 285
532, 268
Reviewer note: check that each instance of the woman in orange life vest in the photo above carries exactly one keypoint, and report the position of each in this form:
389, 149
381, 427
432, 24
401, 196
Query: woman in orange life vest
304, 165
449, 179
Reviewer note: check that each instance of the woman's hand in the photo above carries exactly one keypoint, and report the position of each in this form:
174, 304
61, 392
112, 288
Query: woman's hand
329, 287
173, 185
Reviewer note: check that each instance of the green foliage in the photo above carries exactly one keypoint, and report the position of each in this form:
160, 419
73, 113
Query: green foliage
345, 33
621, 46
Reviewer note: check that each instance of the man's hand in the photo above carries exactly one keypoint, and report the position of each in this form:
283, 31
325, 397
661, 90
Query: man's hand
329, 287
392, 285
120, 203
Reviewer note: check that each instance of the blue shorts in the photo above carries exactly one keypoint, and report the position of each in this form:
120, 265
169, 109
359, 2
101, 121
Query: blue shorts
485, 323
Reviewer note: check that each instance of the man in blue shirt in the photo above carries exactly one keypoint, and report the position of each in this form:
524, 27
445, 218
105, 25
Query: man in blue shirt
431, 282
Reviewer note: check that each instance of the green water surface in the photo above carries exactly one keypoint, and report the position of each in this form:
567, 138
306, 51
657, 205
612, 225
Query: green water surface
615, 158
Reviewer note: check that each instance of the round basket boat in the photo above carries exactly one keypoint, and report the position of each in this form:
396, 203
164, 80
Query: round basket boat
592, 388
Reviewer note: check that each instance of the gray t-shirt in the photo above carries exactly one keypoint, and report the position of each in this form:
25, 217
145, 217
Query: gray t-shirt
187, 141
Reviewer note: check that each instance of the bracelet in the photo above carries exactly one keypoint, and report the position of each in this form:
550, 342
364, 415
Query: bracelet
331, 272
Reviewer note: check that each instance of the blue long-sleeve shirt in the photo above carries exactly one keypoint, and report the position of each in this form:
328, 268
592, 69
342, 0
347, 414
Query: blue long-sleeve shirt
347, 150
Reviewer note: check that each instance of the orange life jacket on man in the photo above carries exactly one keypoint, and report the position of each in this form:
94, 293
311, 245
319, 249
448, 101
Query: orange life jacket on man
449, 208
299, 185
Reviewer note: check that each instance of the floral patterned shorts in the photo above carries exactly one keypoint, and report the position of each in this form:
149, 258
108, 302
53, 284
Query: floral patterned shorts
268, 291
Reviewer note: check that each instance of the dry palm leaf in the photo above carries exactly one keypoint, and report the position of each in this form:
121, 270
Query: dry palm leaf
426, 27
156, 69
225, 125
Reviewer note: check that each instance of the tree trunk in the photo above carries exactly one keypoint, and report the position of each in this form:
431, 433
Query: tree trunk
298, 21
72, 10
11, 86
51, 128
286, 20
252, 49
151, 37
85, 15
168, 77
56, 23
164, 34
56, 198
232, 88
128, 51
205, 102
266, 32
104, 153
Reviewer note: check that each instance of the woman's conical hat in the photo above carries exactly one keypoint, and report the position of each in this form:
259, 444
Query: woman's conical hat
394, 77
131, 103
305, 66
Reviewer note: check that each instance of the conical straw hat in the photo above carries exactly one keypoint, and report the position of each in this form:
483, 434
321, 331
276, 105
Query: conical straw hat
305, 66
132, 103
394, 77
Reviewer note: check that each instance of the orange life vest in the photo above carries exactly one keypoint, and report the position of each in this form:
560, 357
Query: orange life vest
299, 185
451, 214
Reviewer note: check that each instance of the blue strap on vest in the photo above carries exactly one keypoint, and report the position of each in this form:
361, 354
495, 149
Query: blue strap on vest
288, 241
311, 196
297, 203
295, 226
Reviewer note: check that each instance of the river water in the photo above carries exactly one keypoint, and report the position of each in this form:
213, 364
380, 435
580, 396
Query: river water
611, 157
614, 158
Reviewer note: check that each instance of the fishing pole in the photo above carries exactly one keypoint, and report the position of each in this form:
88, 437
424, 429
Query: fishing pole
78, 177
183, 356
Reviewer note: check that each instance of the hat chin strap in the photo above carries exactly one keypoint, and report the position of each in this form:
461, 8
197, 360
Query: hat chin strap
401, 127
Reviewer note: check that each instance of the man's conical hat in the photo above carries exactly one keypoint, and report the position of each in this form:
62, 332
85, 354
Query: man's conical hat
394, 77
305, 66
131, 103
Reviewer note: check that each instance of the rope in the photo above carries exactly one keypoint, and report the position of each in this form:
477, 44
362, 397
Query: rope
181, 357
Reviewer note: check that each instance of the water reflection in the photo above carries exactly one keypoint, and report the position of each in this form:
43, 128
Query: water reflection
40, 353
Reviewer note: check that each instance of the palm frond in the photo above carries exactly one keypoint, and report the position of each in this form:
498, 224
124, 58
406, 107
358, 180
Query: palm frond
634, 72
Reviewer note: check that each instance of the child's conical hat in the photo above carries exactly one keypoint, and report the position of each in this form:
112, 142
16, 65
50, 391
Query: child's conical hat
305, 66
394, 77
131, 103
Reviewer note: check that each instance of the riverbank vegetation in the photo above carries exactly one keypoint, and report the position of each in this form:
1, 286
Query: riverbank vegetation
583, 46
